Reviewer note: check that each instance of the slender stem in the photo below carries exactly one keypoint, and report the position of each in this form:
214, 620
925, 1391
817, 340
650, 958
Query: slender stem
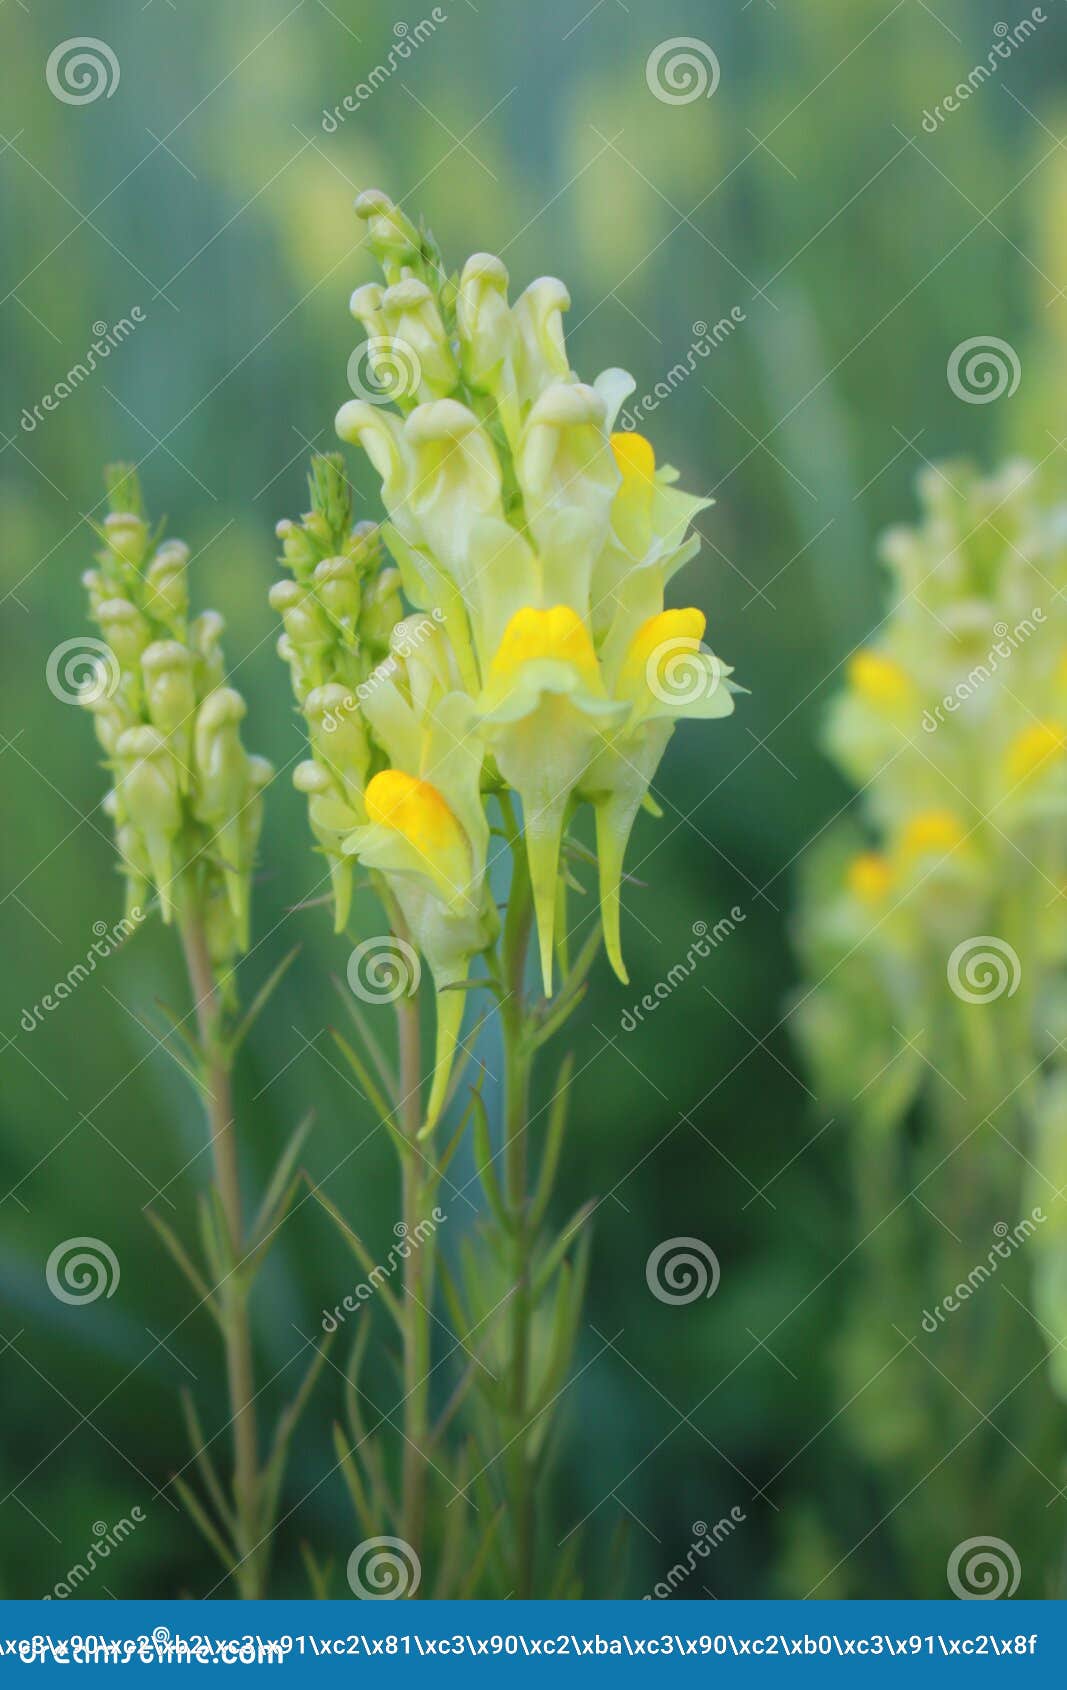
417, 1281
218, 1104
518, 1057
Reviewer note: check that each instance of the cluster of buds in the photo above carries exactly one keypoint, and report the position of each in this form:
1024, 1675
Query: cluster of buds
187, 798
533, 546
954, 728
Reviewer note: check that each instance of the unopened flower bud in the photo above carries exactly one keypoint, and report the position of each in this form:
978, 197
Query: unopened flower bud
170, 694
306, 623
126, 631
149, 798
486, 330
393, 238
338, 734
166, 583
422, 364
205, 640
365, 306
336, 585
299, 551
127, 536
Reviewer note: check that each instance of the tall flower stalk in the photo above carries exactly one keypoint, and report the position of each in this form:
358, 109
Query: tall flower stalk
186, 803
934, 938
473, 672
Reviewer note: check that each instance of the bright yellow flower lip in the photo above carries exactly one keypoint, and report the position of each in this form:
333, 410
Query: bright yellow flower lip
417, 811
558, 635
635, 457
931, 831
656, 643
1034, 750
878, 679
870, 877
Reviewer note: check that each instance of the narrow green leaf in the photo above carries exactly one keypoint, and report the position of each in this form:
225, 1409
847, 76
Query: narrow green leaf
559, 1248
319, 1578
557, 1122
477, 1566
281, 1175
362, 1072
483, 1162
177, 1249
361, 1253
385, 1070
205, 1463
227, 1555
259, 1002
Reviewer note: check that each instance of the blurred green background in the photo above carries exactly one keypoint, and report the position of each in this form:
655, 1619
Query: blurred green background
860, 249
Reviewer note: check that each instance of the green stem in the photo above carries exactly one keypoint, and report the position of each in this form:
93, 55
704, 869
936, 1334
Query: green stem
518, 1062
418, 1290
250, 1573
